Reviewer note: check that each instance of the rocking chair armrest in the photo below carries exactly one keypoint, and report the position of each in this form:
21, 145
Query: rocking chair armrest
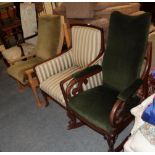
80, 78
120, 109
87, 72
127, 93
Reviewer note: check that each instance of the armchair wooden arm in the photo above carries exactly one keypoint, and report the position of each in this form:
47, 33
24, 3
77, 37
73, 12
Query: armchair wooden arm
79, 79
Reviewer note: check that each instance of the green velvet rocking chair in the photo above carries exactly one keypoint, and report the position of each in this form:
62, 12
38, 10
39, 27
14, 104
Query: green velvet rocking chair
106, 108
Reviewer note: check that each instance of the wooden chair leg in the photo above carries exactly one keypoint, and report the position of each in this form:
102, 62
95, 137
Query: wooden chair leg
46, 99
111, 141
120, 147
145, 88
39, 103
21, 88
72, 124
33, 82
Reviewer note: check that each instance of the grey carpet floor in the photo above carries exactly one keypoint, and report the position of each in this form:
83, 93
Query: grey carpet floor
24, 127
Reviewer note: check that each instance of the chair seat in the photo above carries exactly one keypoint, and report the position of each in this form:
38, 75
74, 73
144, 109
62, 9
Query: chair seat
91, 105
17, 70
51, 86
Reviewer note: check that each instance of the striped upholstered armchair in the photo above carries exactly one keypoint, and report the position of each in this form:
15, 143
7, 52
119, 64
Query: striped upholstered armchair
56, 73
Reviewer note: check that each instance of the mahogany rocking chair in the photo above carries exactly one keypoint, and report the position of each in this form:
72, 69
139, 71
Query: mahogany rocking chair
106, 108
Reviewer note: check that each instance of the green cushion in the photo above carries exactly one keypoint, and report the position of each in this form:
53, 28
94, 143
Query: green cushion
49, 29
130, 91
95, 105
125, 50
17, 70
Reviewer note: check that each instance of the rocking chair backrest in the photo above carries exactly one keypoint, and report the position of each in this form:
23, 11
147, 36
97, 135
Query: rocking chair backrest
125, 50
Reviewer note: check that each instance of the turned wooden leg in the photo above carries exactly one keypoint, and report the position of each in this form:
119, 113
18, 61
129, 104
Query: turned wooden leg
39, 103
72, 124
145, 88
33, 82
111, 141
120, 147
72, 121
46, 99
21, 88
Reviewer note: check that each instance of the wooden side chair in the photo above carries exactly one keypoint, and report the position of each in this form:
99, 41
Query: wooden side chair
55, 74
51, 34
106, 108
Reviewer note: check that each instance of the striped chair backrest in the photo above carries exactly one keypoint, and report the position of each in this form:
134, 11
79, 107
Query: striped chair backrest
86, 44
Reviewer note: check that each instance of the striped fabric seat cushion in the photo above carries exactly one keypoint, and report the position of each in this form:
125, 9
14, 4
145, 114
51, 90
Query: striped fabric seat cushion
51, 86
86, 44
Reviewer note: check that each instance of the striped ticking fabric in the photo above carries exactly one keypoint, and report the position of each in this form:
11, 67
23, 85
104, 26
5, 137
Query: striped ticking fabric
86, 44
94, 81
51, 86
54, 66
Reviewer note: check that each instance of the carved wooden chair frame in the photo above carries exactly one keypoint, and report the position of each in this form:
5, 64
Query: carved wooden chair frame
116, 117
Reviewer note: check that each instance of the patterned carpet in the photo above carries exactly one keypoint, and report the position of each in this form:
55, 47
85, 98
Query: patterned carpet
24, 127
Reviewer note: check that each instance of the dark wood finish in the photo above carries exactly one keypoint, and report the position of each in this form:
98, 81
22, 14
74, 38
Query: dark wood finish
118, 119
146, 71
10, 26
149, 7
151, 84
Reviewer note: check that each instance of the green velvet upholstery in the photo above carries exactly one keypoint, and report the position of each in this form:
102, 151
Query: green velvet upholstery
49, 29
121, 67
95, 105
127, 93
125, 50
17, 70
